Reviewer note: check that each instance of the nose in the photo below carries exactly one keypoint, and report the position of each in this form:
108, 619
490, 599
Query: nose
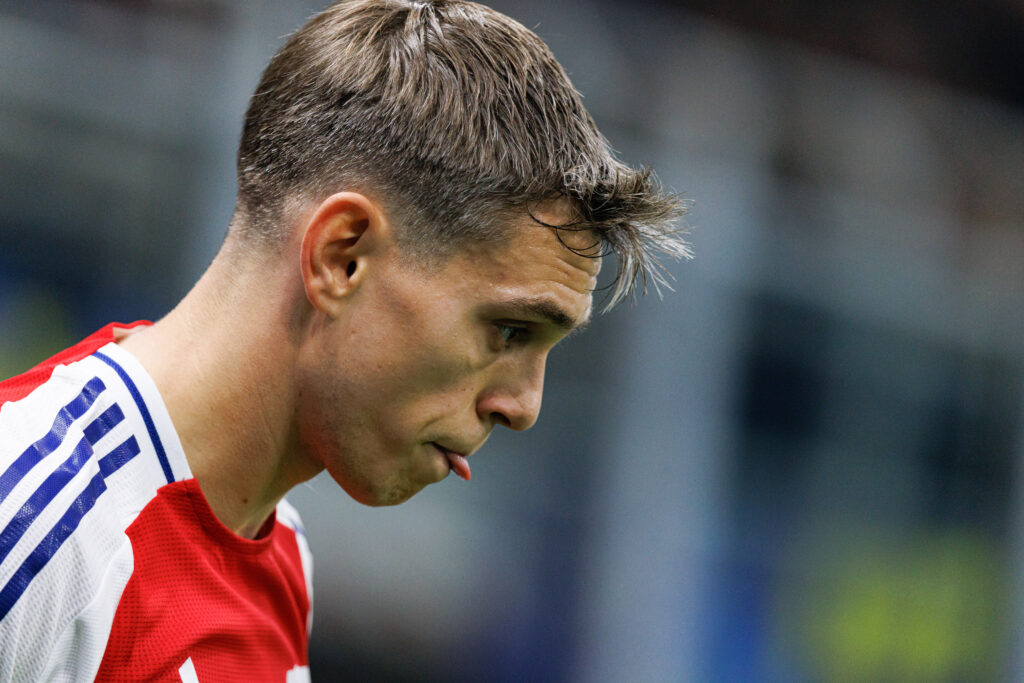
513, 401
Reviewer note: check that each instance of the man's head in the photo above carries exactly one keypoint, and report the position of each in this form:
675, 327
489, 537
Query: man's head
455, 118
448, 200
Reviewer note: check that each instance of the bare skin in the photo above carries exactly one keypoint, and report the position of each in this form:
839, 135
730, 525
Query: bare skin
337, 353
217, 359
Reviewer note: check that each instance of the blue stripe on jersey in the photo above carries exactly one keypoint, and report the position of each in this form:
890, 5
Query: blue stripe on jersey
146, 417
64, 527
58, 479
295, 524
53, 439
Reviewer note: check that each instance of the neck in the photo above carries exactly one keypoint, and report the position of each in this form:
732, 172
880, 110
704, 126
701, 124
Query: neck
222, 360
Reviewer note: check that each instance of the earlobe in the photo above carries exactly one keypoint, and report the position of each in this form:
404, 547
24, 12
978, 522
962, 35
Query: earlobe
339, 238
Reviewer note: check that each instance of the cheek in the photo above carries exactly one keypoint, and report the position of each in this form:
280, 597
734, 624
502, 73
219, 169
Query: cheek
319, 413
391, 372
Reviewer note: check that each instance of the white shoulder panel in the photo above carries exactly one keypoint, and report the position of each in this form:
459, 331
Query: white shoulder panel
289, 516
77, 465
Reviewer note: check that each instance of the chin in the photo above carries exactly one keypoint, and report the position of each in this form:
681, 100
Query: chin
390, 496
380, 495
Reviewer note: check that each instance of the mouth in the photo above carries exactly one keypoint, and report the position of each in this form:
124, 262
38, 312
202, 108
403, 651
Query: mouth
457, 462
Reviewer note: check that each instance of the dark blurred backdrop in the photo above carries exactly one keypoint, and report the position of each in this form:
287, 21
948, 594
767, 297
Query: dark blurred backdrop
802, 465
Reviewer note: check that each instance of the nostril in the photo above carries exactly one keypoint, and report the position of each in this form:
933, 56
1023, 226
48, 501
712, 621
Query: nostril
500, 418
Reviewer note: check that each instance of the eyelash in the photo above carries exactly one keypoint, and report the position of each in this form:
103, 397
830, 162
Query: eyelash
511, 334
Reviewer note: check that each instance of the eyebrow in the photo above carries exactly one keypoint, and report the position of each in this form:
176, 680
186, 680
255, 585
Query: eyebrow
549, 311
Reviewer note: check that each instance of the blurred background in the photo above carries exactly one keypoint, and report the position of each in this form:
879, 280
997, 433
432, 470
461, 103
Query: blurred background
802, 465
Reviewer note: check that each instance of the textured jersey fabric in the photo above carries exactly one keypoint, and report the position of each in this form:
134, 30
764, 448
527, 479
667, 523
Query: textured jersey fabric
112, 565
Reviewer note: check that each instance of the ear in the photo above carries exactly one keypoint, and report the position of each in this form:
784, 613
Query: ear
339, 239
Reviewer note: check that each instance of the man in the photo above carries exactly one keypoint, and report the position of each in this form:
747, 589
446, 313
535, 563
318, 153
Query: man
423, 206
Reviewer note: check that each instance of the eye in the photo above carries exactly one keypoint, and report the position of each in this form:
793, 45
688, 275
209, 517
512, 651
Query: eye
512, 333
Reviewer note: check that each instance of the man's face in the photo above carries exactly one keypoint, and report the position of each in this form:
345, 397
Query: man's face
424, 362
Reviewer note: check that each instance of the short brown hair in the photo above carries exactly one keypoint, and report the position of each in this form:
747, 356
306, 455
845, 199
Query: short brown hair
458, 117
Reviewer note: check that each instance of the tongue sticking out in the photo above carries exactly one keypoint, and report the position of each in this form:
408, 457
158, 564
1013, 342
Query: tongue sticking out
459, 465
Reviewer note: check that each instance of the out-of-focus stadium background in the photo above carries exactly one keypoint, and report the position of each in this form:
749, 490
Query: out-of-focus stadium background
803, 465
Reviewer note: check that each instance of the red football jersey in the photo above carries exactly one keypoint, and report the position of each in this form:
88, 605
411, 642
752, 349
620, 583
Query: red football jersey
112, 565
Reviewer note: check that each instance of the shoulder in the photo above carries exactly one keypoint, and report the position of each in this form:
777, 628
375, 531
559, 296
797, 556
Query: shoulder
22, 385
62, 547
77, 463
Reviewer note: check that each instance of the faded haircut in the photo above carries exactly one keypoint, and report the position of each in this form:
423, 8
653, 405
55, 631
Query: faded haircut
457, 118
